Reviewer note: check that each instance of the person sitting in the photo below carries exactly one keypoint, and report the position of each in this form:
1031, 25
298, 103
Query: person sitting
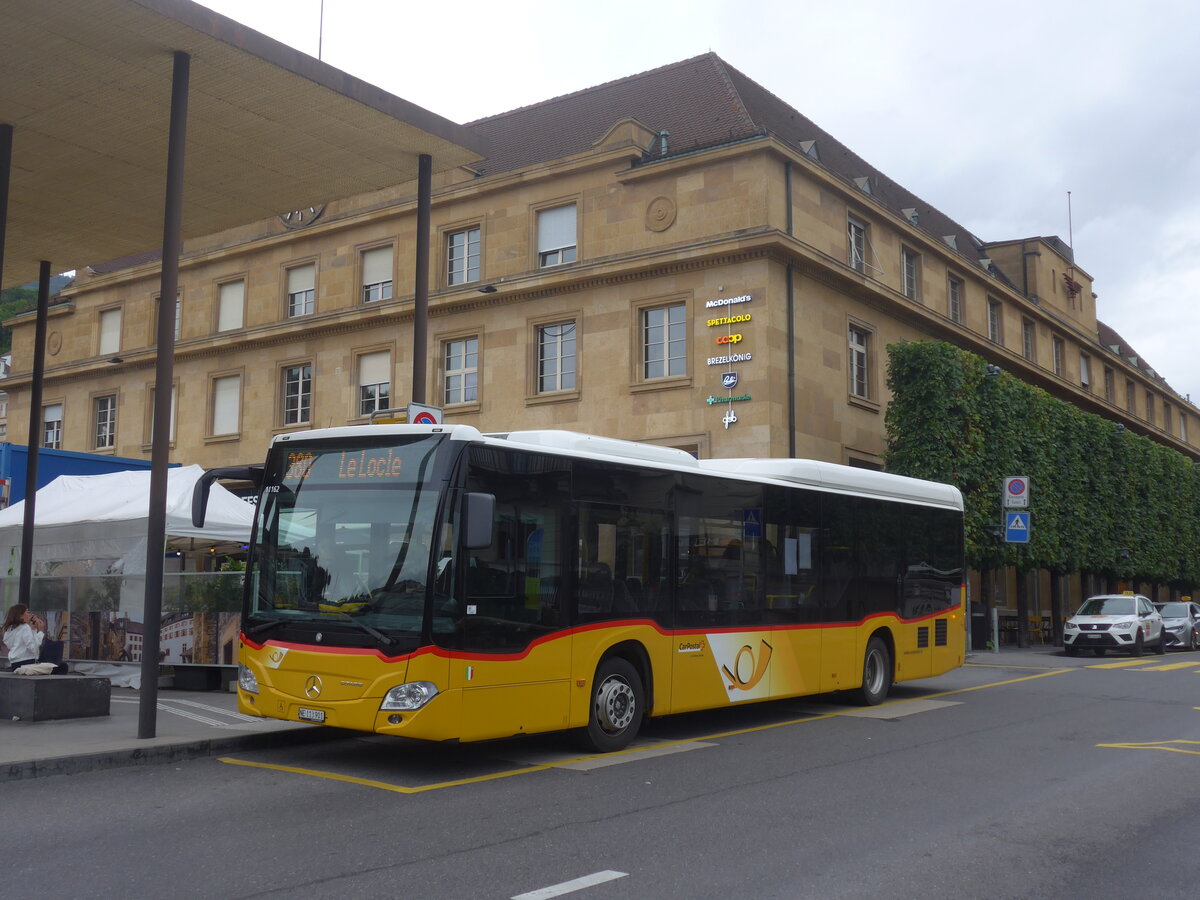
22, 633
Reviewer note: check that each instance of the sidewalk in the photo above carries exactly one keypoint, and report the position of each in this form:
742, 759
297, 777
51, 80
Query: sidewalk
189, 724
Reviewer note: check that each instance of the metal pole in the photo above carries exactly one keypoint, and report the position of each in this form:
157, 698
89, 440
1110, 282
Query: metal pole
6, 142
34, 438
156, 529
421, 287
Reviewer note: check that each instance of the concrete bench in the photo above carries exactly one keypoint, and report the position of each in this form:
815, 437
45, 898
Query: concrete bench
33, 698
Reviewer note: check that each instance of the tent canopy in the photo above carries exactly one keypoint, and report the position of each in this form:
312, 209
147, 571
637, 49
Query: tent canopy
104, 517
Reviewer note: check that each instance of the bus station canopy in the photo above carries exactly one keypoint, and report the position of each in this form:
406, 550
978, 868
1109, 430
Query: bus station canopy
104, 518
86, 87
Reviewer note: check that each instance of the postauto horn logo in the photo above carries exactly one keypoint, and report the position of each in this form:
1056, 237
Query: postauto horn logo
743, 666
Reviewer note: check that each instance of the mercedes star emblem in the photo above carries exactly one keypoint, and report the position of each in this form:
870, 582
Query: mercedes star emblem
312, 687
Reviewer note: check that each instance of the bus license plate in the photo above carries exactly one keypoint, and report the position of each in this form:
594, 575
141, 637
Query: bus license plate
311, 715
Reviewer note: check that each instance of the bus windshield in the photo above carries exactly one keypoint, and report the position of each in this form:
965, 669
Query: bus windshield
345, 541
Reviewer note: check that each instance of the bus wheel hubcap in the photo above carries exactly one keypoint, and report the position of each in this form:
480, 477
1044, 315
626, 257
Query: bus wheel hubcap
614, 705
874, 674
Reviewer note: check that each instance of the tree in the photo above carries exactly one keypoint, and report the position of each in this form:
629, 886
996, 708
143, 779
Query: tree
1103, 499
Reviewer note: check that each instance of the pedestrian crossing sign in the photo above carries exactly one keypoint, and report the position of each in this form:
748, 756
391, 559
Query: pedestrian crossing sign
1017, 527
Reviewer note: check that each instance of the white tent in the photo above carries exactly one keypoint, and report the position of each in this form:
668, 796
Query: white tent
105, 517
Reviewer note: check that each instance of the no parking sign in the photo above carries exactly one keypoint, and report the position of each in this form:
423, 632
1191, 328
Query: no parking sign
1016, 492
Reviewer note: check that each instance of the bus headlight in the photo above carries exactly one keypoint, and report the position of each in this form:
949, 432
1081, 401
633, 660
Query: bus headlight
246, 680
409, 696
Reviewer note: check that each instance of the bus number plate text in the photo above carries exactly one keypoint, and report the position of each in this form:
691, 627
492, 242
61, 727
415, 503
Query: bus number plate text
311, 715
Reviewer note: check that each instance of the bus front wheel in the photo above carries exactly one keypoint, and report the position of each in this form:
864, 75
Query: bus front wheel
877, 673
618, 704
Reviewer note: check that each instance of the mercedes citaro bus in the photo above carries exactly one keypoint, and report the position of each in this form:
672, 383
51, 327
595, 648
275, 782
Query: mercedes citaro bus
439, 583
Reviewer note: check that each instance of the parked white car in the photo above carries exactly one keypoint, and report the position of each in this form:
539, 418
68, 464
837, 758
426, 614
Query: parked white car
1127, 622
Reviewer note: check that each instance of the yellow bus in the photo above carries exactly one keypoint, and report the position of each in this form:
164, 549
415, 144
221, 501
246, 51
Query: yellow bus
439, 583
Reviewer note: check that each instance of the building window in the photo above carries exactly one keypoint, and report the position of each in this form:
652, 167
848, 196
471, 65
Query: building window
664, 341
1058, 348
106, 422
110, 331
52, 425
461, 371
1130, 397
556, 357
1183, 426
1085, 371
231, 305
301, 290
856, 232
1027, 340
954, 292
297, 394
860, 356
995, 329
377, 274
910, 266
374, 382
1110, 385
1150, 407
556, 235
462, 255
226, 404
1167, 417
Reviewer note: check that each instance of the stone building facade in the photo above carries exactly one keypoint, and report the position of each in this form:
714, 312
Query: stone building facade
620, 256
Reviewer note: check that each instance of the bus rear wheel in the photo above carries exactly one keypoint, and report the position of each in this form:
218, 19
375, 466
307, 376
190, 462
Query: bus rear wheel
877, 673
618, 704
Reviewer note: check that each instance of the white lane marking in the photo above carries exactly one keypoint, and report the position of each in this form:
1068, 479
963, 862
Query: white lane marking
569, 887
894, 710
897, 710
645, 749
241, 717
616, 759
215, 723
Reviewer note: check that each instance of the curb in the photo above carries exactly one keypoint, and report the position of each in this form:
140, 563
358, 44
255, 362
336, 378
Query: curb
163, 753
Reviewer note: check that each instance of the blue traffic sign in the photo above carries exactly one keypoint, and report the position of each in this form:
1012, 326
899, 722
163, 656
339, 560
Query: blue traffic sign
1017, 526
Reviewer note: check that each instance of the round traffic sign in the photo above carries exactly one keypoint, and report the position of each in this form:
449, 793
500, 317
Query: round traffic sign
1016, 487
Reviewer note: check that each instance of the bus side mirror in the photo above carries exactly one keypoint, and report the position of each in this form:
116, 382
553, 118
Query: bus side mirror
253, 474
479, 511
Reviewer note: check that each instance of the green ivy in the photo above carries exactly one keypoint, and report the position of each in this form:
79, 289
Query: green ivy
1103, 499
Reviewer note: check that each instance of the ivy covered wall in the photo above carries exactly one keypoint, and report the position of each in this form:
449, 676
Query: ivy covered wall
1103, 500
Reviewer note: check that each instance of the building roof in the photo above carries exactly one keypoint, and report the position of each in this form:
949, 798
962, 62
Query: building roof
86, 87
701, 102
1110, 340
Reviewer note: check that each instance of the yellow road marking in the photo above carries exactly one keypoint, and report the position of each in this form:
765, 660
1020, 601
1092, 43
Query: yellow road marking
1168, 667
1123, 664
382, 785
1160, 745
999, 666
495, 776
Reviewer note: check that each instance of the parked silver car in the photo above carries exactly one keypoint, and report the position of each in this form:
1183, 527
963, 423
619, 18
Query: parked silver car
1127, 622
1181, 623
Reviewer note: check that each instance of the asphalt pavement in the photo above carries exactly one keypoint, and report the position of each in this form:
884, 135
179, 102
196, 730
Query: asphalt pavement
191, 724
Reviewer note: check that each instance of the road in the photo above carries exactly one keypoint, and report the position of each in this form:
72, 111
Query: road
1065, 778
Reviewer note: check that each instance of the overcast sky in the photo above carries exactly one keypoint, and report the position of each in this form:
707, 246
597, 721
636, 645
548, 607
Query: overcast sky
991, 113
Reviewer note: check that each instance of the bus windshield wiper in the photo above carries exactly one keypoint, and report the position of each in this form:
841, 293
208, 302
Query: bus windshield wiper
384, 639
262, 626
